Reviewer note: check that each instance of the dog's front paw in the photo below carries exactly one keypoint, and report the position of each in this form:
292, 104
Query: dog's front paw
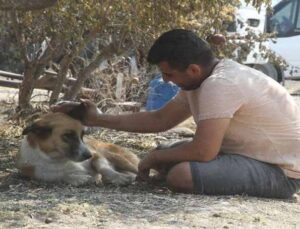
77, 180
120, 180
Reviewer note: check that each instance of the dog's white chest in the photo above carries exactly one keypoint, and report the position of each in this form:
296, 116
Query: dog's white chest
47, 169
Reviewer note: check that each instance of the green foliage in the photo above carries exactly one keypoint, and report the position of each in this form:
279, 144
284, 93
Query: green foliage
110, 27
129, 23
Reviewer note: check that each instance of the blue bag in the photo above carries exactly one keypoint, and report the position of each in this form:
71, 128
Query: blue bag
160, 93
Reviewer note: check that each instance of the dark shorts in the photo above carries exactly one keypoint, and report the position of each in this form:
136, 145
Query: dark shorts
231, 174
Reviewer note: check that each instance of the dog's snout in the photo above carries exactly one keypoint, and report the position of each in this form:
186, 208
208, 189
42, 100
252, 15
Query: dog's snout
81, 153
86, 154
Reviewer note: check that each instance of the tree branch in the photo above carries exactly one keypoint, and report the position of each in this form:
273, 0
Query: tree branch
25, 5
21, 41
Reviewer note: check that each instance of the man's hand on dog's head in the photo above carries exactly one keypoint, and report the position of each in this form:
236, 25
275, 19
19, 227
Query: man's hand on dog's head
64, 106
86, 111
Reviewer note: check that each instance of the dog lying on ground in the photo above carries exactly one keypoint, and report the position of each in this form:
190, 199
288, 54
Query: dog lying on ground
53, 150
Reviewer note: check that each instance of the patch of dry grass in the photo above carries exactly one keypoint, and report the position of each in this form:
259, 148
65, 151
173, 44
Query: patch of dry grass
32, 204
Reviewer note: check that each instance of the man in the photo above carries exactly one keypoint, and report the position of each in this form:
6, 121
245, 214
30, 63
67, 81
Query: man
247, 139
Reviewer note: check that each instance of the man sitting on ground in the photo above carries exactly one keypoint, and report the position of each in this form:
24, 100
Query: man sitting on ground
247, 139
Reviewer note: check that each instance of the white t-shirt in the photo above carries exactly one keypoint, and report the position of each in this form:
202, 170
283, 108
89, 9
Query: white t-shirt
265, 120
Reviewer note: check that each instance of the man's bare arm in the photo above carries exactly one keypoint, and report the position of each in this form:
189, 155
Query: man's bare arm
204, 147
144, 122
163, 119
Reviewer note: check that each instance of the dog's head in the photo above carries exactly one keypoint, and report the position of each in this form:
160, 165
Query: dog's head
58, 136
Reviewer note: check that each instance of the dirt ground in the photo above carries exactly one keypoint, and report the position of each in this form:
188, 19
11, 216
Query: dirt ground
31, 204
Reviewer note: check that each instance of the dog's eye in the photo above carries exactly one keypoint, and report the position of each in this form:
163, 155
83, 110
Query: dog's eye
69, 136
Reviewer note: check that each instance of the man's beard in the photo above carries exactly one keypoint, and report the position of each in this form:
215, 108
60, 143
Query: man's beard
190, 87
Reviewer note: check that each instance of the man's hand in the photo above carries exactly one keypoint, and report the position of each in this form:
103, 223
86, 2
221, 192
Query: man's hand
64, 106
86, 111
149, 162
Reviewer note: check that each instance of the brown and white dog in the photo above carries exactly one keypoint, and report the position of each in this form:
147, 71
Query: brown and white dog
53, 150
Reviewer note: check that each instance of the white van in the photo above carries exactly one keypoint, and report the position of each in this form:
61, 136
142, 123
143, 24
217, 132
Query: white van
285, 20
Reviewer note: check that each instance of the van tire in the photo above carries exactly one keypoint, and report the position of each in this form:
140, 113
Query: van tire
269, 70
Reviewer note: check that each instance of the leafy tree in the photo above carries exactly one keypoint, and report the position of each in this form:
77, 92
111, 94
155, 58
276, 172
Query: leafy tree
25, 4
62, 32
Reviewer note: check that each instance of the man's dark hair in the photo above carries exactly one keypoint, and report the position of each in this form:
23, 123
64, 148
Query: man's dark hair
180, 48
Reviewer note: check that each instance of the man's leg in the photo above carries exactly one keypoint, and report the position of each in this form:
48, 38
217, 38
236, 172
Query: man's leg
163, 171
180, 179
231, 174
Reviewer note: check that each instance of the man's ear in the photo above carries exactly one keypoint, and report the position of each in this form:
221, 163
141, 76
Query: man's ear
194, 69
39, 131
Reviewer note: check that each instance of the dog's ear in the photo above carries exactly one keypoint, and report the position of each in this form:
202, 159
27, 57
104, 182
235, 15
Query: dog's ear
78, 112
39, 131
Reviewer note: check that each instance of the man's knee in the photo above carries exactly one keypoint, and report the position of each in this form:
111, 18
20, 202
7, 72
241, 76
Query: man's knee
179, 178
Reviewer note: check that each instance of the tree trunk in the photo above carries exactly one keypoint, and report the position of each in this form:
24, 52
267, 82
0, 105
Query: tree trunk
85, 73
61, 77
26, 89
25, 5
82, 77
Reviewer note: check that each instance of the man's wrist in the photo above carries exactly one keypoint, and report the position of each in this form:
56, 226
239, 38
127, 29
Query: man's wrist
155, 156
95, 119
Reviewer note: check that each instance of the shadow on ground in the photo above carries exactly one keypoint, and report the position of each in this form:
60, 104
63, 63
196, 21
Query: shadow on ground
31, 204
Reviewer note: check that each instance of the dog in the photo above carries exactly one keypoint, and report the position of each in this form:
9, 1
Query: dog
54, 150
